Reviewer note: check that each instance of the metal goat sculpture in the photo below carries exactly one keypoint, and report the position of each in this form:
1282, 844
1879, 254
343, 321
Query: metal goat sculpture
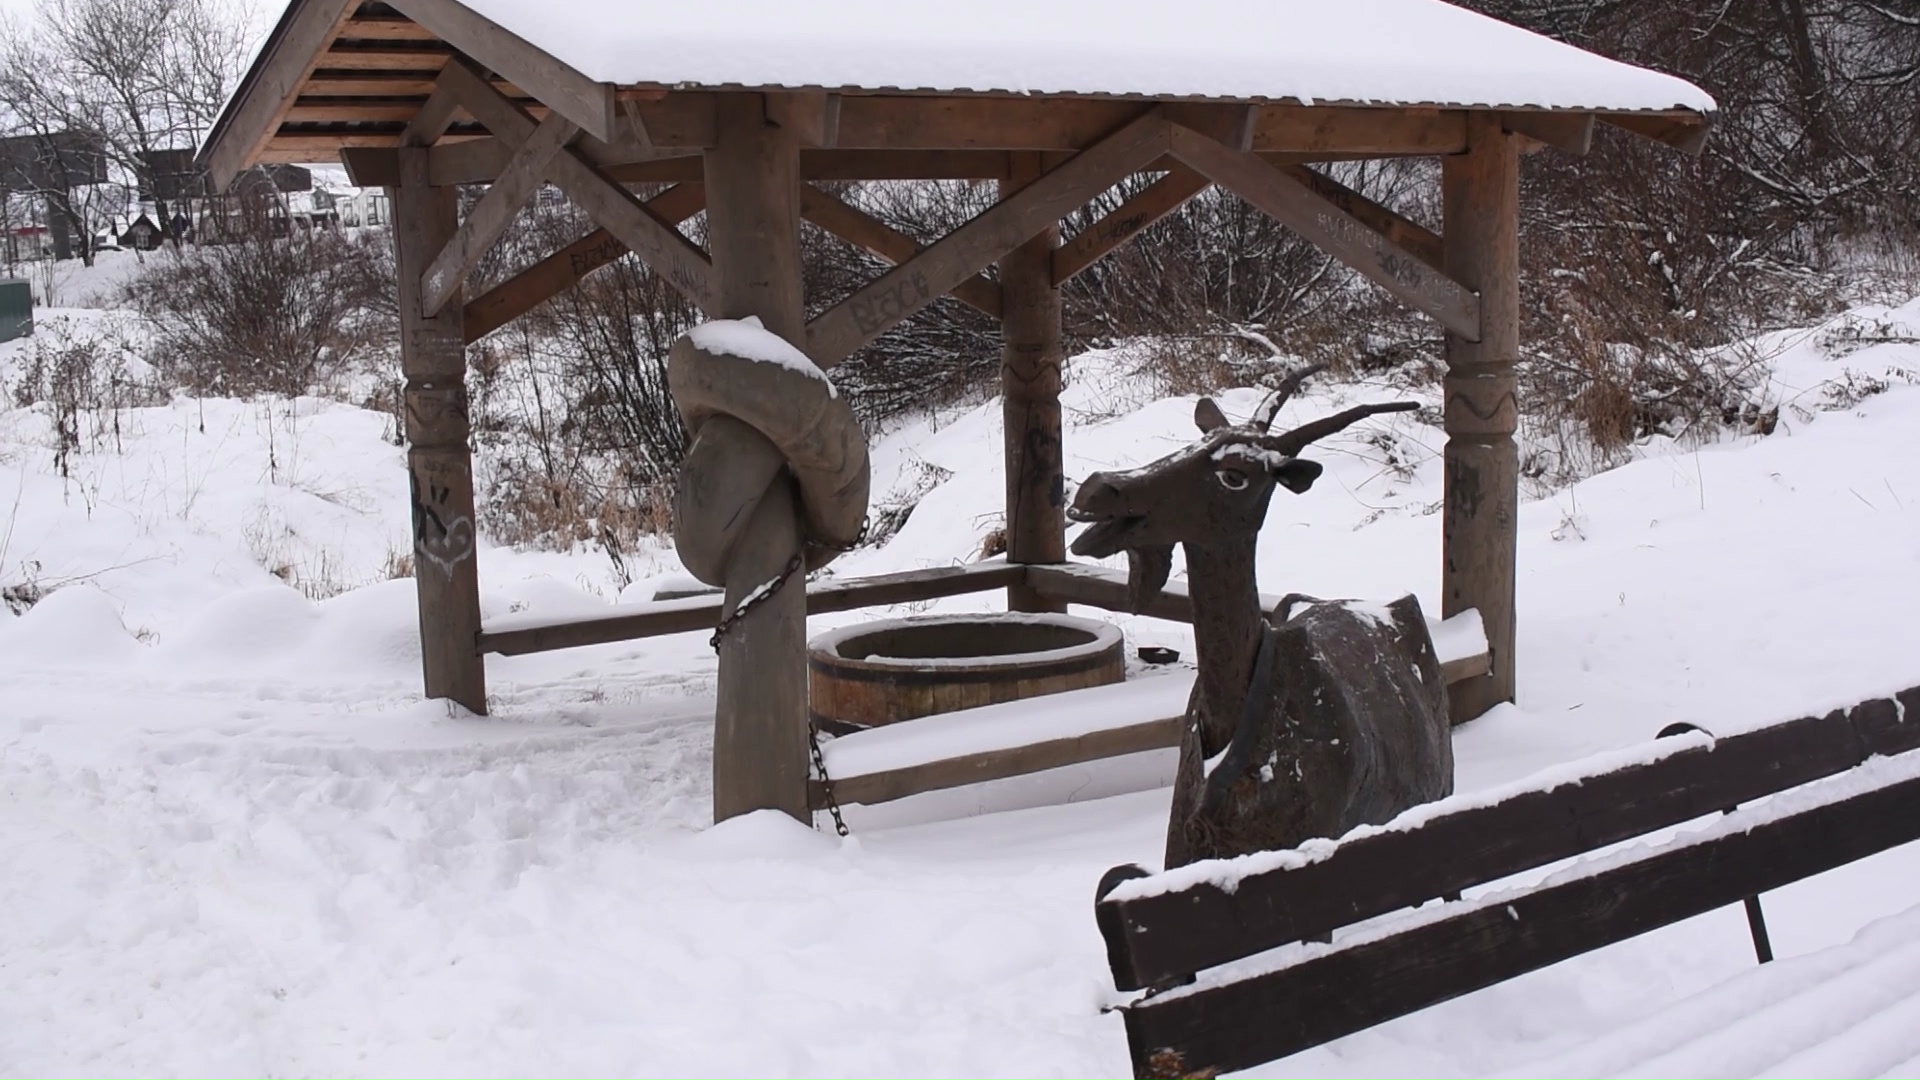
1329, 715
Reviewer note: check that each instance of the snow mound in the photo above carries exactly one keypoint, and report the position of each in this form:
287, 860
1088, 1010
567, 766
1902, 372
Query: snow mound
77, 625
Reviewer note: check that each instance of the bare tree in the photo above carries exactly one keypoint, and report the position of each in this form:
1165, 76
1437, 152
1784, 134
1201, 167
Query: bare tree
140, 76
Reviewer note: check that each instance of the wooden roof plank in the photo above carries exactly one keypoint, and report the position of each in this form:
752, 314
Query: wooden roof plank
303, 34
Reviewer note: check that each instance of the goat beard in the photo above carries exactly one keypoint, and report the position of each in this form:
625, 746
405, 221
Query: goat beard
1147, 572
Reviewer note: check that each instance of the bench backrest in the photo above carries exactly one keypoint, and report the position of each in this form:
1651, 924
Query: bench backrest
1160, 930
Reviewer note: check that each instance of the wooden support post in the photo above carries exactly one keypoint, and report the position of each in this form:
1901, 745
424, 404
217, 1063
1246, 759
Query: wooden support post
1481, 197
1030, 399
753, 224
439, 463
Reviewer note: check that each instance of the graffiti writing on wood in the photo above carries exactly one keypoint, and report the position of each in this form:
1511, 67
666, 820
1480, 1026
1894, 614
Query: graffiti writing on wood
1402, 268
892, 304
587, 261
1041, 471
440, 538
1123, 228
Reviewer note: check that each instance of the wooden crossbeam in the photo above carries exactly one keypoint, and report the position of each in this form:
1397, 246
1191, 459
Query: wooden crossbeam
565, 268
1421, 241
873, 137
1571, 132
513, 638
907, 288
1686, 132
869, 789
1110, 233
658, 244
864, 231
494, 212
1332, 229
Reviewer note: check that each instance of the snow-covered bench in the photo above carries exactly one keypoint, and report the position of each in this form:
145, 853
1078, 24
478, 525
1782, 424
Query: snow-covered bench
1837, 788
1015, 738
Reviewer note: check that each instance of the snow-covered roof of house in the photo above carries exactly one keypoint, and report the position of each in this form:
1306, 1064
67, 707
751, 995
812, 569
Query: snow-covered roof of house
336, 75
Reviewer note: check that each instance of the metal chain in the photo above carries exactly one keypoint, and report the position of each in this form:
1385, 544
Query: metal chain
761, 596
826, 782
766, 592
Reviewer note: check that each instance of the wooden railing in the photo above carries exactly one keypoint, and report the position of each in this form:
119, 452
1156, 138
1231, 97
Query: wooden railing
1074, 583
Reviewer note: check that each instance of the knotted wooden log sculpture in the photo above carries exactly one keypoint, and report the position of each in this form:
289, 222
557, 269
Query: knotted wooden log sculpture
760, 412
775, 481
1299, 727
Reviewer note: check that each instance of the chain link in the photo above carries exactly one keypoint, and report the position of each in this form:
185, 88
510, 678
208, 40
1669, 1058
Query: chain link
765, 592
826, 782
761, 596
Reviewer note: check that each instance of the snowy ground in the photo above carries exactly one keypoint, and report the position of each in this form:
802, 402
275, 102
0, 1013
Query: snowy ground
237, 843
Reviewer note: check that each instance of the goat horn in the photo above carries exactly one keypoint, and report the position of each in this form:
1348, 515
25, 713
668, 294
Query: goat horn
1270, 408
1296, 440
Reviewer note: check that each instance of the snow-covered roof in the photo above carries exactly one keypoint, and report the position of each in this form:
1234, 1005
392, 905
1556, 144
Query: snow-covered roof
1397, 52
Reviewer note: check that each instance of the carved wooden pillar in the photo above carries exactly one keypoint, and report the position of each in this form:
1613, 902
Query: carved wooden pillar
439, 462
1030, 356
1481, 195
753, 226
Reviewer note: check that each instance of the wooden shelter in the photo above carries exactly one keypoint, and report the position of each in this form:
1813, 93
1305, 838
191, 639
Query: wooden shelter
739, 104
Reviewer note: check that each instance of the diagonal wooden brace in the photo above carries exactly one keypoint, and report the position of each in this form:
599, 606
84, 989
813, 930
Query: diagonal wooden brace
1332, 230
667, 252
1110, 233
661, 246
1422, 242
567, 267
434, 117
864, 231
971, 248
495, 211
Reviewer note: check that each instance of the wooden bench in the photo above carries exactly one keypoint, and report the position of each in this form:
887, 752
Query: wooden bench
1844, 786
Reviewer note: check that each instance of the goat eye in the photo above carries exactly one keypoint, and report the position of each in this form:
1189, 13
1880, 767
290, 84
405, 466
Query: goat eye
1231, 479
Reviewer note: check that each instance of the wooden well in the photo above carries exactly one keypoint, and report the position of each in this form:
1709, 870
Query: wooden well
900, 669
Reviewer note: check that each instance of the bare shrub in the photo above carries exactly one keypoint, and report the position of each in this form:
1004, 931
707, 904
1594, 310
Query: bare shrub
282, 315
85, 377
944, 353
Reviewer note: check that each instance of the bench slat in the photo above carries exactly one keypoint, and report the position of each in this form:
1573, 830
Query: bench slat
1154, 938
1243, 1024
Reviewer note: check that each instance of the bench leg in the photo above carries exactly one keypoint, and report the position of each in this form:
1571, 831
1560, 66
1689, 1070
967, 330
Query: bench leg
1757, 923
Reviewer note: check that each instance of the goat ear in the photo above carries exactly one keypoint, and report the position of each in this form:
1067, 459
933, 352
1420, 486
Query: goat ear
1207, 414
1147, 572
1297, 475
